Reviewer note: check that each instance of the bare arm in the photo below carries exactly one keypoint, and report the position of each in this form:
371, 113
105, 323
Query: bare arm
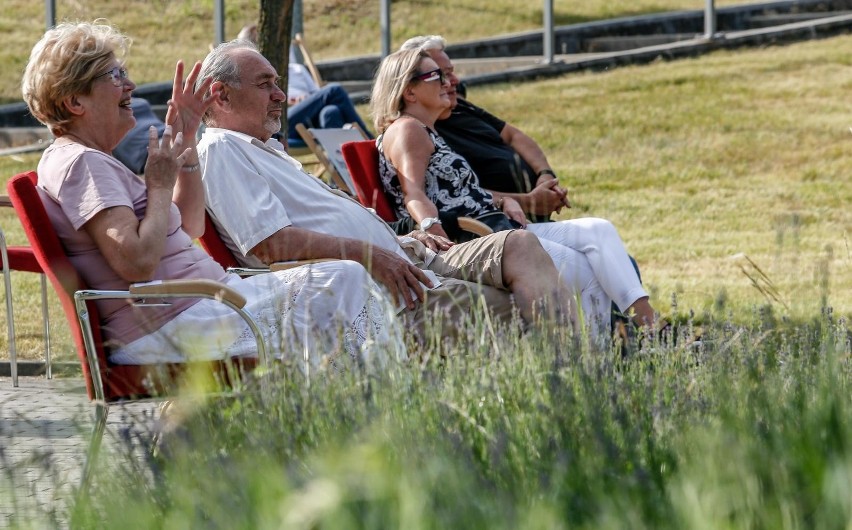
133, 248
526, 147
408, 147
398, 275
186, 107
547, 196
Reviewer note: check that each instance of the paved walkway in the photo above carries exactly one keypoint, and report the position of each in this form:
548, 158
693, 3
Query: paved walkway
44, 432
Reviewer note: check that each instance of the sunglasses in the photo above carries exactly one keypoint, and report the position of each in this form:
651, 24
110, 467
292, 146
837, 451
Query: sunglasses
430, 76
117, 75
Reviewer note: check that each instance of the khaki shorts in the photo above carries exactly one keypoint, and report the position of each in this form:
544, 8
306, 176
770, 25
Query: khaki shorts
471, 276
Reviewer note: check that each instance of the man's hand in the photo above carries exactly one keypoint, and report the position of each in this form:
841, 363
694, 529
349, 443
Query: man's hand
434, 242
547, 197
187, 105
401, 278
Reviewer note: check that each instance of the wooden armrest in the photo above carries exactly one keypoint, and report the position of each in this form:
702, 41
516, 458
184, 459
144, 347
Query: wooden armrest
5, 201
286, 265
190, 287
469, 224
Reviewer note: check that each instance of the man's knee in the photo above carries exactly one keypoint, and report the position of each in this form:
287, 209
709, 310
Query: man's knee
330, 117
524, 243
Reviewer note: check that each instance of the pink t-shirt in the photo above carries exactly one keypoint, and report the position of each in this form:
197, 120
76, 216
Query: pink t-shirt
76, 183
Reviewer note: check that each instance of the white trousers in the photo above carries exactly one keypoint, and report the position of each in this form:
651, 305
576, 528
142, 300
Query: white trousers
591, 258
311, 313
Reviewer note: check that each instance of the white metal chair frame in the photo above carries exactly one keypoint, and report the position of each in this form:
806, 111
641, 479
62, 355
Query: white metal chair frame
10, 316
204, 289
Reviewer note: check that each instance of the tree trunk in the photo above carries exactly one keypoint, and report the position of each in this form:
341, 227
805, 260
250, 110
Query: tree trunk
276, 22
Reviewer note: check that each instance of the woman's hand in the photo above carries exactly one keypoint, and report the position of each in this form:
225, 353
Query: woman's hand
434, 242
165, 158
133, 247
187, 105
513, 211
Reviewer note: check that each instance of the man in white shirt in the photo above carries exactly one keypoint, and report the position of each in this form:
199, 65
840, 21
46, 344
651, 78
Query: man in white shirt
267, 209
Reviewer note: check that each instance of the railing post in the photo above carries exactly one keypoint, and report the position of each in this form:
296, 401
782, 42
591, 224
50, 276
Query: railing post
709, 20
219, 20
49, 13
547, 44
384, 18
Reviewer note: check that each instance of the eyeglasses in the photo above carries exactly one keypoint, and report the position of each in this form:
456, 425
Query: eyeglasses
430, 76
117, 75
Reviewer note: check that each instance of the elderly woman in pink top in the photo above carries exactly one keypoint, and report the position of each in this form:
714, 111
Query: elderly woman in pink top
118, 228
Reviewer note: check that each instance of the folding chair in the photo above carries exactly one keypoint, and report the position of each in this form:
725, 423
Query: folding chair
325, 144
362, 160
108, 383
299, 41
20, 258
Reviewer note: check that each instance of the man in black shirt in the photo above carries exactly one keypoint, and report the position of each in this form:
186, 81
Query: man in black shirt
505, 159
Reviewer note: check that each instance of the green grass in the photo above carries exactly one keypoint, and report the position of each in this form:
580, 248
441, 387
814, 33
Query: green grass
165, 31
712, 169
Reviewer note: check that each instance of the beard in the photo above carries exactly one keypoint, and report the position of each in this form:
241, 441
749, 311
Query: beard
272, 125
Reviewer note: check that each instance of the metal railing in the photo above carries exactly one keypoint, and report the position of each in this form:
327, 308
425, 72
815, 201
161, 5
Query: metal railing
385, 23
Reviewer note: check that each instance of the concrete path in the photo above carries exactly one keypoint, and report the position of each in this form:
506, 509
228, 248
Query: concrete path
45, 427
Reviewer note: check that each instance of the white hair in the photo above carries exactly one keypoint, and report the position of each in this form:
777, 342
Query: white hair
425, 43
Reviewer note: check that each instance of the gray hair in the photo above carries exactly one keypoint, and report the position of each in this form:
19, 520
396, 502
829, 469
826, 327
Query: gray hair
425, 43
219, 65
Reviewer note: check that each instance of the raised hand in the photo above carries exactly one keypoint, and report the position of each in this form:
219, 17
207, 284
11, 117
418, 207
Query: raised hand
165, 157
187, 105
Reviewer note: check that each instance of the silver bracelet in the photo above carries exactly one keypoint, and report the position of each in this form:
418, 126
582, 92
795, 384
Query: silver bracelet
191, 168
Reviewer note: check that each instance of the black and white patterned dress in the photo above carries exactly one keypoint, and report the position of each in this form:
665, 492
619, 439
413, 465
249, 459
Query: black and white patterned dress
450, 182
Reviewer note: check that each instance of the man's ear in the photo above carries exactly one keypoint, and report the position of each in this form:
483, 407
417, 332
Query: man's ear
220, 91
73, 105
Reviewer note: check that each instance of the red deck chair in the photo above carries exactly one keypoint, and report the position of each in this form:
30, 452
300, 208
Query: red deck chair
362, 160
108, 383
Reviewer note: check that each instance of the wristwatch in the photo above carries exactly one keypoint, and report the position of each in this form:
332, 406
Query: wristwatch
427, 223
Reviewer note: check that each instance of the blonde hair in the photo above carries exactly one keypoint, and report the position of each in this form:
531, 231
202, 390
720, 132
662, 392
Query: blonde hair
64, 63
395, 72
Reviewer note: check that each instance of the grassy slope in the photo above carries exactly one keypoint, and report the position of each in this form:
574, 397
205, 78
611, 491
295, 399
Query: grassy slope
700, 160
165, 31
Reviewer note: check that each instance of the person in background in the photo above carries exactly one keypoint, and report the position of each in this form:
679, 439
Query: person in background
119, 229
423, 177
327, 107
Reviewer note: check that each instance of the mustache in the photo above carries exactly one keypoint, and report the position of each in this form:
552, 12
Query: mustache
277, 106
